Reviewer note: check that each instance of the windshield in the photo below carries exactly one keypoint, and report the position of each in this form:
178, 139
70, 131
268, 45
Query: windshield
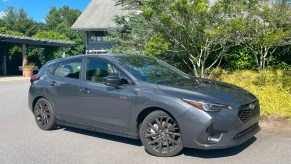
150, 69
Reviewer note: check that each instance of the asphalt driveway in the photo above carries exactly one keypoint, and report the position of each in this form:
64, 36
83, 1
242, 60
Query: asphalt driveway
21, 141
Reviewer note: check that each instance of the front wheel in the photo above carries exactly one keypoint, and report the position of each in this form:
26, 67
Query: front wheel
160, 135
44, 114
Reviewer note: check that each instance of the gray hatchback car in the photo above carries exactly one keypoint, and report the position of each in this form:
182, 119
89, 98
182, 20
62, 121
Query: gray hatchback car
142, 98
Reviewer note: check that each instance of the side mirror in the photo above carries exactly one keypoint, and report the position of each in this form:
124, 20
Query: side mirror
113, 81
124, 81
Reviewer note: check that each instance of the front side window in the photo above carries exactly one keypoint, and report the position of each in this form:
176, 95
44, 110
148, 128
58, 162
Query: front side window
97, 70
69, 69
150, 69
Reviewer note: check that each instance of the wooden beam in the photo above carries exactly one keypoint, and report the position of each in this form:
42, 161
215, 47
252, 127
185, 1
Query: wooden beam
24, 60
35, 41
4, 65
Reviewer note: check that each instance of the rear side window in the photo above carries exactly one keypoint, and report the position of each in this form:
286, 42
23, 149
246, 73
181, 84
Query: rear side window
69, 69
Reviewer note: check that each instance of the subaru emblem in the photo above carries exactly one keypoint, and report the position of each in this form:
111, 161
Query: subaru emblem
251, 105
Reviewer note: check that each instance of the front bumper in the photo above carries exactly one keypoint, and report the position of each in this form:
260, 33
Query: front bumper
215, 130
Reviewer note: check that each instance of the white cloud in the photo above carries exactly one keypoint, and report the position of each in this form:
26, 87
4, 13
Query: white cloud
4, 0
2, 14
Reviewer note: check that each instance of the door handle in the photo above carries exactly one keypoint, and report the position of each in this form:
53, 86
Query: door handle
53, 83
84, 90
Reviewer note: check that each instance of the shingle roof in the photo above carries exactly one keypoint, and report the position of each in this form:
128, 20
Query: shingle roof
98, 15
35, 41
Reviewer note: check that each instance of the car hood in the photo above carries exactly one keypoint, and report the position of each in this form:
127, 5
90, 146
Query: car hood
209, 90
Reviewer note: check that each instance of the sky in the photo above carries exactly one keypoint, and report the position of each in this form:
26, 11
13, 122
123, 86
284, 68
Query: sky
38, 9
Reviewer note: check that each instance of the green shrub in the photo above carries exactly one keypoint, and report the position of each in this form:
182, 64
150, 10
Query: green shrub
272, 87
239, 58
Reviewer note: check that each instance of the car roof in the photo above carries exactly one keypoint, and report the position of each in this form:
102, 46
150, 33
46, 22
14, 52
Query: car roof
105, 56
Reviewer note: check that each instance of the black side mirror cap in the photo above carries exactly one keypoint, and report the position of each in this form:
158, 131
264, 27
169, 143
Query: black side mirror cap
124, 81
113, 81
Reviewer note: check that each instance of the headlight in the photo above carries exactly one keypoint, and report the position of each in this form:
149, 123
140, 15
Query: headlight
206, 106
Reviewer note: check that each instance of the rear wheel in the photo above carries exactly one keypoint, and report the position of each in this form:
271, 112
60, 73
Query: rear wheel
160, 135
44, 114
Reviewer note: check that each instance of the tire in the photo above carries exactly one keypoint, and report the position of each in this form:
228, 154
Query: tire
44, 115
160, 135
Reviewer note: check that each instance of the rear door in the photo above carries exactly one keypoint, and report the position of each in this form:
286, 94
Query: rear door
104, 106
63, 89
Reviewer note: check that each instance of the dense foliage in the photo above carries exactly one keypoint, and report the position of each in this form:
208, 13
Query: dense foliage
198, 35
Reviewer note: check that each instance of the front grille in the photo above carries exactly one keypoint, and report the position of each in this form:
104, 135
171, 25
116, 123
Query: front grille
246, 132
248, 111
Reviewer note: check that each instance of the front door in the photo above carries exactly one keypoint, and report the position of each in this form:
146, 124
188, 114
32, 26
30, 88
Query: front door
104, 106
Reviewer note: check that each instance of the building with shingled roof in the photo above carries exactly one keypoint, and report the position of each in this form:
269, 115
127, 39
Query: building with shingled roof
96, 19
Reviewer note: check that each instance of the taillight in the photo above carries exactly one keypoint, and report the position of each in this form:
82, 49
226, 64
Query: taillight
33, 78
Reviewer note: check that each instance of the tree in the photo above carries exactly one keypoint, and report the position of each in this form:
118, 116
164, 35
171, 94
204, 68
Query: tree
18, 20
62, 15
1, 22
50, 35
133, 35
53, 19
257, 26
186, 28
10, 18
49, 53
65, 29
267, 29
60, 20
200, 34
4, 30
131, 4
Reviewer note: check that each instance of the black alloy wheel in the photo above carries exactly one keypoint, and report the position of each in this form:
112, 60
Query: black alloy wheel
44, 115
160, 135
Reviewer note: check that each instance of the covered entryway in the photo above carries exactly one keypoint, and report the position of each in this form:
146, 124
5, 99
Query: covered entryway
23, 42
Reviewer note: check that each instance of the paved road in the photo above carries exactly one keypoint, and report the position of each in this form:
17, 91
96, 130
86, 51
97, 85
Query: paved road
21, 141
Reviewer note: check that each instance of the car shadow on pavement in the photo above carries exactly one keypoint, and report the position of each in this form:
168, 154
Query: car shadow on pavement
187, 151
218, 153
103, 136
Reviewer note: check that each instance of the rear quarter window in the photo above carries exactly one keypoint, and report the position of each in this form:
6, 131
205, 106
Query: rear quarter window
51, 69
41, 71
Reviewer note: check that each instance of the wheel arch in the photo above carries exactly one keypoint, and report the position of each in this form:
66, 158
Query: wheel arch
37, 98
